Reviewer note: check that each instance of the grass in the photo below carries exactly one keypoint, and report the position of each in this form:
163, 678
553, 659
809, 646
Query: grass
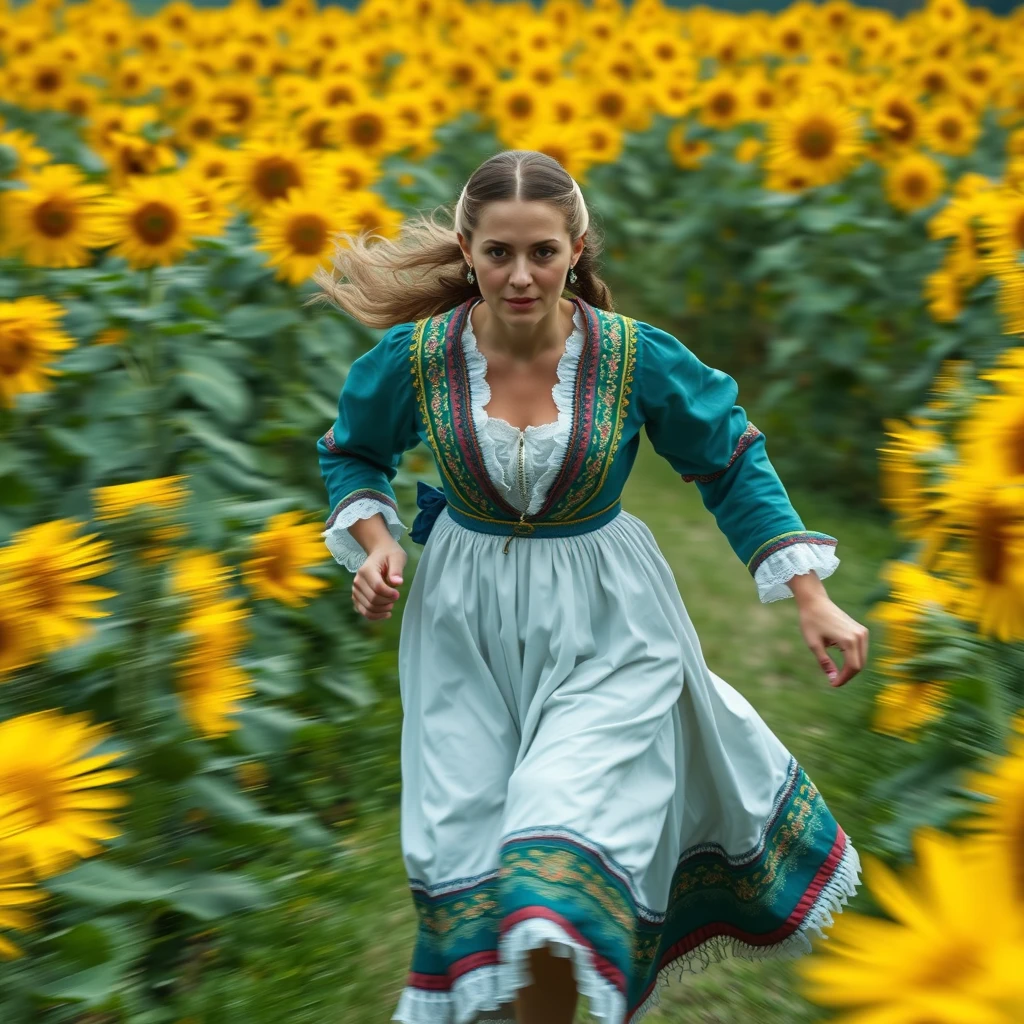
339, 946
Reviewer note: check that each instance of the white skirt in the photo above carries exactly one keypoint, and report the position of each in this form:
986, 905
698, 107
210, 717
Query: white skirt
574, 775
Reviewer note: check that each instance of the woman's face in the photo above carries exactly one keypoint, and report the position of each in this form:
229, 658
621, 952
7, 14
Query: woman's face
521, 249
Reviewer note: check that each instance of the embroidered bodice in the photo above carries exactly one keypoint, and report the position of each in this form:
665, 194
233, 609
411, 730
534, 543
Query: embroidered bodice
544, 444
544, 449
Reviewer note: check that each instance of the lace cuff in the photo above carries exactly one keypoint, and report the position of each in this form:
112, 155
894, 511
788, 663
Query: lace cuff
346, 549
795, 560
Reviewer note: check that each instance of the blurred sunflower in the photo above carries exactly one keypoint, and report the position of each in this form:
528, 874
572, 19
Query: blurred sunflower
349, 171
371, 127
54, 220
748, 150
214, 162
514, 105
241, 104
17, 890
131, 155
131, 79
914, 182
150, 221
118, 501
51, 562
720, 102
270, 167
960, 219
1000, 819
49, 761
212, 202
281, 555
46, 76
565, 143
671, 95
211, 684
200, 124
19, 633
897, 117
903, 478
948, 129
1002, 232
944, 295
903, 707
605, 142
813, 138
298, 232
200, 576
30, 341
28, 155
367, 211
941, 959
992, 437
686, 153
985, 517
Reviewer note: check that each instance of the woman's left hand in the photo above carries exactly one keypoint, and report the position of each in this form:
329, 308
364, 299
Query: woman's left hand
824, 624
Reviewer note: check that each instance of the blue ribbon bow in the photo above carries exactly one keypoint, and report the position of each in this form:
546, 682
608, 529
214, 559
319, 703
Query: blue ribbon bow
431, 500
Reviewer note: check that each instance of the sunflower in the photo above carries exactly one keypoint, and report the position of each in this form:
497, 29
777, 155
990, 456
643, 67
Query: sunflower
1002, 232
760, 94
958, 220
720, 102
151, 220
212, 198
54, 221
1001, 819
214, 162
992, 438
17, 890
201, 124
367, 211
132, 155
52, 561
298, 232
902, 708
564, 143
671, 95
897, 117
914, 182
686, 153
942, 956
212, 686
19, 632
371, 127
605, 142
983, 517
271, 166
813, 138
748, 150
201, 576
944, 294
241, 103
48, 760
350, 170
119, 501
948, 129
46, 76
27, 155
514, 105
29, 341
281, 555
903, 478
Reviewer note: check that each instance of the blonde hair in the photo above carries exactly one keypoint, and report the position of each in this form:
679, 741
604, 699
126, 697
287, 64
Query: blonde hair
423, 271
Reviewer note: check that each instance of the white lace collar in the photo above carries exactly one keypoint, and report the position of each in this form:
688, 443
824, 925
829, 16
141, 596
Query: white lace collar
558, 431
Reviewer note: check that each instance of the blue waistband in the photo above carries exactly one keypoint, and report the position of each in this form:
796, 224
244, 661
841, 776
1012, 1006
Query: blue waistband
539, 528
431, 501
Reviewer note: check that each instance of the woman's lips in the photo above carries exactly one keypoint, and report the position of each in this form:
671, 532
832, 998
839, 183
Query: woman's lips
521, 302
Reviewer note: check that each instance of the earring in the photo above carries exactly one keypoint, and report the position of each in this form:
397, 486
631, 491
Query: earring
470, 277
572, 275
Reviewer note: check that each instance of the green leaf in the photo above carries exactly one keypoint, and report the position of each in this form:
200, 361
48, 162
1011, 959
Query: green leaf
258, 321
214, 386
197, 426
93, 987
267, 729
102, 883
209, 896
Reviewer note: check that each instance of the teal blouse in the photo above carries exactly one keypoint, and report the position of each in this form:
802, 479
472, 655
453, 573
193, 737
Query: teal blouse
413, 387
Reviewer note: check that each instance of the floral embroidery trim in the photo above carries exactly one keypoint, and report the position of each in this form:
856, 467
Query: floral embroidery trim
746, 440
350, 499
784, 540
761, 896
601, 399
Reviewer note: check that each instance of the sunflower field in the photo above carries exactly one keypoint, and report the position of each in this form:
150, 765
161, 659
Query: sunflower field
827, 202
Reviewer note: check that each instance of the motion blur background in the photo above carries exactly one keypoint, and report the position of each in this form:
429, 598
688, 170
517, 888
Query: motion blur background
199, 738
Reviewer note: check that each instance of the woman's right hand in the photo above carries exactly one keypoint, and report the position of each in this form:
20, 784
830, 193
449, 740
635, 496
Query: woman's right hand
373, 593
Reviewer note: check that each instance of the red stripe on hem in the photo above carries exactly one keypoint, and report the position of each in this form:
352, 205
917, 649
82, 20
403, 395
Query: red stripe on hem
694, 939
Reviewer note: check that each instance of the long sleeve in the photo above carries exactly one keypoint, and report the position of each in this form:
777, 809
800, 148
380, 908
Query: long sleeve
360, 453
693, 421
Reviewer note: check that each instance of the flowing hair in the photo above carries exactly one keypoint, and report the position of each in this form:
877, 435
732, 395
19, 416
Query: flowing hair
423, 271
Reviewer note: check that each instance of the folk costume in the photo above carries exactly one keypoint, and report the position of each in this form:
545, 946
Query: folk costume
574, 775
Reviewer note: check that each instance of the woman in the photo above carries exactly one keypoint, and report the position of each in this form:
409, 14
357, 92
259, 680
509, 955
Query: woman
586, 807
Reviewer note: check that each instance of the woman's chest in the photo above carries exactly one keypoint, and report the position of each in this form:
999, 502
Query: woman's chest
522, 394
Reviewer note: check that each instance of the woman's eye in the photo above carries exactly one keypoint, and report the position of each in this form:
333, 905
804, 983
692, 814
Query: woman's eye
498, 248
